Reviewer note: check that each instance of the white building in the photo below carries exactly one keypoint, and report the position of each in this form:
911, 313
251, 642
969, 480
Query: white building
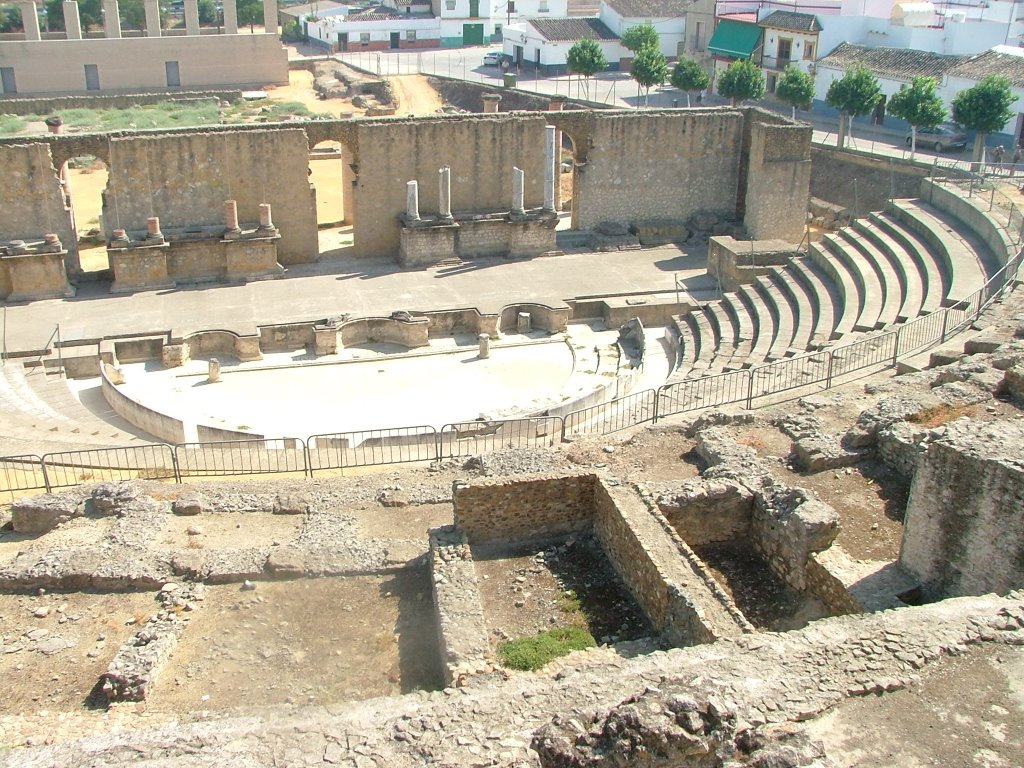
788, 38
476, 22
375, 28
545, 43
668, 17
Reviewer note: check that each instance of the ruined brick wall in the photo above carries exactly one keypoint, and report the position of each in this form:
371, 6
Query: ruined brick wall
658, 165
31, 200
835, 171
535, 508
821, 582
778, 180
481, 150
185, 179
706, 511
964, 531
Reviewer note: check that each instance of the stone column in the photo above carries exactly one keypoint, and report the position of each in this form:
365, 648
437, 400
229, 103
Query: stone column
231, 228
111, 19
556, 104
348, 187
491, 103
265, 221
230, 18
153, 232
72, 21
524, 324
549, 168
30, 20
270, 16
191, 17
485, 346
445, 194
412, 201
153, 18
518, 182
213, 370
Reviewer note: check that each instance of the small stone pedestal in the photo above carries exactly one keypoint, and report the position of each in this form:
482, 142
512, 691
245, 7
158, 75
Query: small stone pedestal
485, 346
213, 371
524, 324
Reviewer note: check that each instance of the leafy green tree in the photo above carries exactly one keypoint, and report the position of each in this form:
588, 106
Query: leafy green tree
585, 59
742, 80
649, 68
854, 94
10, 19
249, 12
920, 105
133, 14
985, 108
688, 75
796, 88
640, 37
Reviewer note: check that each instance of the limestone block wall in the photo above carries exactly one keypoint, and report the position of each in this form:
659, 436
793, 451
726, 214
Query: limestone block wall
31, 198
788, 525
736, 262
185, 179
860, 180
536, 508
658, 165
706, 511
126, 64
974, 213
481, 150
408, 333
964, 528
208, 434
159, 425
668, 580
824, 584
550, 319
778, 181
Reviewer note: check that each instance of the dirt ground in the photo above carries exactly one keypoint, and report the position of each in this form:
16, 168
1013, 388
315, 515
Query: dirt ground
273, 645
415, 95
569, 584
653, 455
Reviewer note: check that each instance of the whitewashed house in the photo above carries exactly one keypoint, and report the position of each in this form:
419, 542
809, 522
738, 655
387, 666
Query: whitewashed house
544, 43
668, 17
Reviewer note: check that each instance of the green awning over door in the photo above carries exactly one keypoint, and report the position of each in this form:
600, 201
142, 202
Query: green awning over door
735, 39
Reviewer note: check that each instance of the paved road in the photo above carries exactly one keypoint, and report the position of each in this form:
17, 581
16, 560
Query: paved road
362, 287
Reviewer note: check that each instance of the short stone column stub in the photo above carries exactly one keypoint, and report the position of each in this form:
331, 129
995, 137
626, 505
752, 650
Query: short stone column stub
524, 323
491, 101
518, 187
213, 370
231, 228
266, 222
485, 345
412, 200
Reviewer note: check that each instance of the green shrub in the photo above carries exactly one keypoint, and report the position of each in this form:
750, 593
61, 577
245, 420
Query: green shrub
532, 653
11, 124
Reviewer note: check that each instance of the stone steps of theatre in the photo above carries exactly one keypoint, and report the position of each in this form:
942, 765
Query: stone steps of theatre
784, 313
968, 262
824, 297
903, 265
865, 281
725, 331
688, 347
35, 402
764, 325
890, 284
933, 281
801, 299
744, 330
842, 289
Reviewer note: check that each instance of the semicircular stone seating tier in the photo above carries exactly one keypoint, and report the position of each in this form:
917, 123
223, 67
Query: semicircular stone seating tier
879, 272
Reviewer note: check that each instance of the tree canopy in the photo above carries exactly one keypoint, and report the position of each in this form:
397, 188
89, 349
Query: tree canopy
795, 87
649, 68
249, 12
10, 19
640, 37
742, 80
985, 108
855, 93
688, 75
920, 105
586, 59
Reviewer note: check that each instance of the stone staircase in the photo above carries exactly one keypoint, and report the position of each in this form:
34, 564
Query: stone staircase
880, 272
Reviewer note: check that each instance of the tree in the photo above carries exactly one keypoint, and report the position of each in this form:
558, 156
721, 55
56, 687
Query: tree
649, 68
985, 108
249, 12
133, 14
207, 12
920, 105
585, 59
742, 80
10, 19
640, 37
796, 88
88, 14
688, 75
854, 94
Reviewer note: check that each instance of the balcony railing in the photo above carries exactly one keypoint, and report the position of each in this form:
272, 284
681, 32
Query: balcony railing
776, 62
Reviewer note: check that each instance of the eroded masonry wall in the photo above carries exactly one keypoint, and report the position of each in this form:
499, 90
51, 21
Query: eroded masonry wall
964, 527
31, 200
658, 165
778, 181
185, 179
481, 151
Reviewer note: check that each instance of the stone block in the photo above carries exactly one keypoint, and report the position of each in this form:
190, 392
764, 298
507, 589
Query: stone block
982, 345
40, 514
1013, 382
819, 452
190, 504
293, 504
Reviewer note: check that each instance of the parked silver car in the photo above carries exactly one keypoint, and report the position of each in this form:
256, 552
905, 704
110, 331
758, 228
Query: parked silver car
940, 138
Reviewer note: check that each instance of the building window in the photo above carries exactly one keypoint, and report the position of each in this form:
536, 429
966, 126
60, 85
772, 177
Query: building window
497, 29
785, 50
772, 81
449, 5
511, 6
410, 35
543, 7
364, 38
808, 51
92, 77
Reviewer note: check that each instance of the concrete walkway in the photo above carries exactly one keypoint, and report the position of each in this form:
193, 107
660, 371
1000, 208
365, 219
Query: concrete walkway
374, 287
